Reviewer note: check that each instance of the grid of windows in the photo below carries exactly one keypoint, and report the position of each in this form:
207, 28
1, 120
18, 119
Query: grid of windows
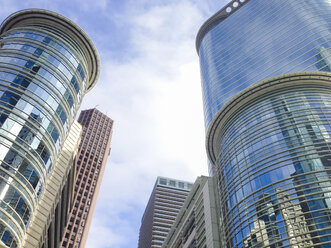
273, 164
260, 40
196, 224
93, 151
43, 76
167, 199
269, 150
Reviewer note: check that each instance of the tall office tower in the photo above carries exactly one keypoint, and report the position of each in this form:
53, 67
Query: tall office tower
196, 224
47, 64
93, 152
164, 204
47, 226
266, 82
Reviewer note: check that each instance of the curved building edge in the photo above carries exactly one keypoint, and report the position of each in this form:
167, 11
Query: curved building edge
23, 17
216, 19
256, 90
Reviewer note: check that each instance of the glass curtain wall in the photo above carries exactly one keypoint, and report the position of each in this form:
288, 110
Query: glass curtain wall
270, 149
273, 166
43, 77
258, 40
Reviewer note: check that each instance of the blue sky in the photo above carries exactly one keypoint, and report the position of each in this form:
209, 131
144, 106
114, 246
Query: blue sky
150, 85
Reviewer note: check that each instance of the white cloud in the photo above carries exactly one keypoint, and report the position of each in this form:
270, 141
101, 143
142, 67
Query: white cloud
106, 237
153, 94
155, 100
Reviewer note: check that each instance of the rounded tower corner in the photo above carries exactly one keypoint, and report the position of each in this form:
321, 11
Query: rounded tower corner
34, 16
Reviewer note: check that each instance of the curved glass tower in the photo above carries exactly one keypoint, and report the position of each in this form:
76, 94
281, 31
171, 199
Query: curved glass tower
266, 84
259, 39
47, 64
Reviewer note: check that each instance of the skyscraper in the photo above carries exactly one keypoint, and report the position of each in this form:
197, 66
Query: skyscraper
196, 224
49, 220
265, 70
93, 152
47, 64
164, 204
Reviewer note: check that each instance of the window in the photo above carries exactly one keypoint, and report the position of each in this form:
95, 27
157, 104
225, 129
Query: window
163, 181
172, 183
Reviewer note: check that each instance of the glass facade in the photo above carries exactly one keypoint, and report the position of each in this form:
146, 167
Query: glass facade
259, 40
273, 165
43, 76
269, 139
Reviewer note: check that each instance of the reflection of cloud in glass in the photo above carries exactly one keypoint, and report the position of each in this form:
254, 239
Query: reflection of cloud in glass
273, 149
250, 46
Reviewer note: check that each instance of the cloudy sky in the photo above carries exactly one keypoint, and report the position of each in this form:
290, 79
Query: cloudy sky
150, 86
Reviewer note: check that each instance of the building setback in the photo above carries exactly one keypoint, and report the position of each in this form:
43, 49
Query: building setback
197, 223
266, 82
93, 153
47, 64
164, 204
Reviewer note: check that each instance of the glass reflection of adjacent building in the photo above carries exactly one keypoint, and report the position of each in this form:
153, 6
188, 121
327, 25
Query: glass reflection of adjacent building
266, 82
267, 231
47, 64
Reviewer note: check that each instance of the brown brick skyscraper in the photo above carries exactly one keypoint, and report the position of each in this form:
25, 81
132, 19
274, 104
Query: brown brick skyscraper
92, 156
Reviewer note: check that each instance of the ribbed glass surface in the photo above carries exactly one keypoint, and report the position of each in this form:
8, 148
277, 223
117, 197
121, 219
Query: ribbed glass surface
274, 170
263, 38
42, 80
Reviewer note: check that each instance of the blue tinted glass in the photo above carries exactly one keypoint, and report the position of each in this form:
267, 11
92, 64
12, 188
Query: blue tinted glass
261, 40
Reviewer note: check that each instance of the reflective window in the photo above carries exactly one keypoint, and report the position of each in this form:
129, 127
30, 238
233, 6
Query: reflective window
283, 180
251, 45
42, 80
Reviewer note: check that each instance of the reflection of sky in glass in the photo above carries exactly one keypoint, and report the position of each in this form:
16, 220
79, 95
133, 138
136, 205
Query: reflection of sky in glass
42, 83
252, 45
273, 166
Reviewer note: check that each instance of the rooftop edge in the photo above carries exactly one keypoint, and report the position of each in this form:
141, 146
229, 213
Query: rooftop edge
22, 17
226, 11
285, 80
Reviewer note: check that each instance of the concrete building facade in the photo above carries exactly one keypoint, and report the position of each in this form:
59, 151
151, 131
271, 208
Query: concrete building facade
92, 156
49, 221
197, 222
164, 204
